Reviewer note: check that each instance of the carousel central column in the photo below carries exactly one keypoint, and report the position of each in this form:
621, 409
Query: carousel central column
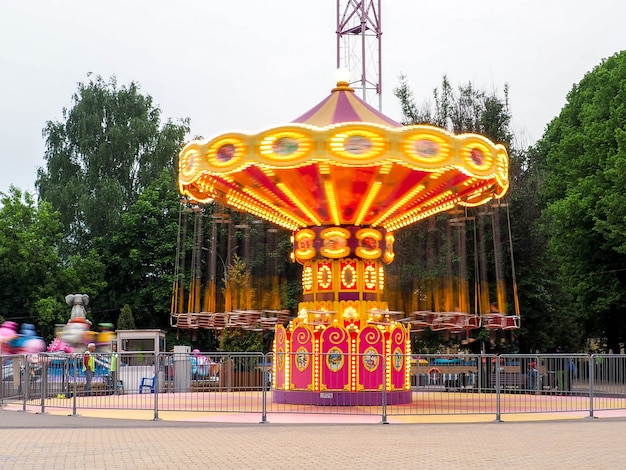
345, 346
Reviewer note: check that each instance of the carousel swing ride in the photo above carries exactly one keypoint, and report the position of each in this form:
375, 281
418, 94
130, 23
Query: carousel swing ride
344, 178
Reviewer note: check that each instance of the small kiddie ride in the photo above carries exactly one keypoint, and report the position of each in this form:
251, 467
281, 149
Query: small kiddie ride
13, 344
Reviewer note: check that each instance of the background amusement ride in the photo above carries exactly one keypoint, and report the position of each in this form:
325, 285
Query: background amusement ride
344, 179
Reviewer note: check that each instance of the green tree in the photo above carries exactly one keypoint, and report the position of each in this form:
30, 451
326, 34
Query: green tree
584, 155
544, 312
140, 256
548, 319
126, 321
33, 278
109, 147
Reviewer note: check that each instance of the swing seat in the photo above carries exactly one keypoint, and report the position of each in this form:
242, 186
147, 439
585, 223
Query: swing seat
510, 322
494, 321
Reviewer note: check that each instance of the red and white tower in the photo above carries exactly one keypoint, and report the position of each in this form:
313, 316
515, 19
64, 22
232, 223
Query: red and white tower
359, 46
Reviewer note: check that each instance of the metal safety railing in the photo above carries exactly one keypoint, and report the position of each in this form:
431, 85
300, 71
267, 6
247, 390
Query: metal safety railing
345, 384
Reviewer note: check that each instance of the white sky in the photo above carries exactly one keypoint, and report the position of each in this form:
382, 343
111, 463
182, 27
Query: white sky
250, 64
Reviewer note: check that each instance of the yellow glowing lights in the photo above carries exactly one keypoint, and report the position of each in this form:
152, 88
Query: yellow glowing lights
226, 152
427, 148
369, 277
286, 145
335, 242
369, 240
410, 195
324, 276
303, 207
365, 206
307, 278
332, 201
348, 276
350, 313
307, 159
389, 255
304, 240
357, 144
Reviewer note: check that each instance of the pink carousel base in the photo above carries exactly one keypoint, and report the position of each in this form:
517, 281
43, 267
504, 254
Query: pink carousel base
341, 398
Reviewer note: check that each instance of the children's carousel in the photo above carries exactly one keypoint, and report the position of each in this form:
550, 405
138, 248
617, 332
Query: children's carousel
343, 177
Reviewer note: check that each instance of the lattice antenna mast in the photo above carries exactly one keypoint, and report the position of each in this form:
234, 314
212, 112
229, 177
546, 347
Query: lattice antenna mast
359, 46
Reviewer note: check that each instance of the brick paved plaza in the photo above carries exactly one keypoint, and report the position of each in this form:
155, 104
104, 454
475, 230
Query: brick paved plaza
38, 441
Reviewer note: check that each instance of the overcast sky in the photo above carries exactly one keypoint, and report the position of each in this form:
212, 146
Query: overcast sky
249, 64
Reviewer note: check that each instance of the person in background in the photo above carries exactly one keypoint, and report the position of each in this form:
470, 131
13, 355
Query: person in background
113, 367
533, 375
89, 366
199, 365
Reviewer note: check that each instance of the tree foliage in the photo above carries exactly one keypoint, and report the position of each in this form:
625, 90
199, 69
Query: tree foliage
544, 309
584, 155
126, 321
140, 257
34, 280
109, 147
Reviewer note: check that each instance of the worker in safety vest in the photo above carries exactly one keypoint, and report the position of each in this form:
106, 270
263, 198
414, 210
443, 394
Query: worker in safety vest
89, 366
113, 366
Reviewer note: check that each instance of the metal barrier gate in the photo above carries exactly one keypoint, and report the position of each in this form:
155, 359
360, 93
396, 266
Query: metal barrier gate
243, 383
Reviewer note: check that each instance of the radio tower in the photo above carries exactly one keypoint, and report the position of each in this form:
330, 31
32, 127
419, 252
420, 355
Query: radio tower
358, 46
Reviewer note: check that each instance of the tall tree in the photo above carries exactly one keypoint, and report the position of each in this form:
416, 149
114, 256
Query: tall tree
140, 257
34, 280
106, 151
584, 156
467, 109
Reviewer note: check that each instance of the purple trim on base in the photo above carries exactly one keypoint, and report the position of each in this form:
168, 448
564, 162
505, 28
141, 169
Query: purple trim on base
371, 295
340, 398
348, 296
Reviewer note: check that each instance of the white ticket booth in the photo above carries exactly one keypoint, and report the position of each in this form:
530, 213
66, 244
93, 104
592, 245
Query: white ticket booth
138, 352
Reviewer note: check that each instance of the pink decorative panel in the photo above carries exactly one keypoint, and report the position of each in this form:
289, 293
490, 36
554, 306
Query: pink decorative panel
280, 340
334, 360
301, 358
398, 339
371, 364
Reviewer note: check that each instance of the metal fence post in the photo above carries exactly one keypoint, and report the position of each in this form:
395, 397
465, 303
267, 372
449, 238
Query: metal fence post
384, 395
25, 377
266, 362
592, 363
44, 383
74, 365
156, 387
497, 369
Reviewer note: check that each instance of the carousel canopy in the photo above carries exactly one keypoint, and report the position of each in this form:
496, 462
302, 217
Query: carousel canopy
344, 163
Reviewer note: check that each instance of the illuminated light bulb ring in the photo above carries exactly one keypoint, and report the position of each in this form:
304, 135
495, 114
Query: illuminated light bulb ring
427, 149
357, 144
324, 276
348, 277
286, 145
226, 152
189, 163
369, 277
477, 156
307, 278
